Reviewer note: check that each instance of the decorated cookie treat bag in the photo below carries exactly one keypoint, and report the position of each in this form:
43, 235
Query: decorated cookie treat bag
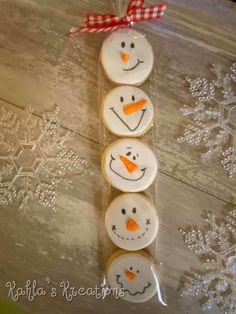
128, 102
130, 227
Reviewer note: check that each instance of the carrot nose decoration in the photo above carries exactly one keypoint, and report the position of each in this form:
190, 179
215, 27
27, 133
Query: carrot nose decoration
125, 57
131, 108
132, 225
130, 275
129, 165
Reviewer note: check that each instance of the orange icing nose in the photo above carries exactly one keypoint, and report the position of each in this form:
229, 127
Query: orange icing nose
131, 108
129, 165
132, 225
125, 57
130, 275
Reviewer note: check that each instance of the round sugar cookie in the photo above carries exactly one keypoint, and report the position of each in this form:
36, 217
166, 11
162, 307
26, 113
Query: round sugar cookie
131, 221
129, 165
127, 111
127, 57
134, 274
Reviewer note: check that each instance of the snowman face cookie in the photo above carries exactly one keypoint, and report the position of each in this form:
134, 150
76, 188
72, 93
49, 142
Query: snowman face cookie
129, 165
135, 273
131, 221
127, 111
127, 57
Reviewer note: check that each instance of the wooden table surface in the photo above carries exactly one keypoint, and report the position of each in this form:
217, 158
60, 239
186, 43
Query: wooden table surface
39, 66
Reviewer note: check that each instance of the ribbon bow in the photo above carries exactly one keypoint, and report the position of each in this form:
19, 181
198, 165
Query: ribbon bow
96, 23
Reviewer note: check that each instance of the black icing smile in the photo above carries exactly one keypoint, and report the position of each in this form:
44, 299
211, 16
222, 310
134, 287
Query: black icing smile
129, 292
135, 66
128, 179
131, 238
140, 120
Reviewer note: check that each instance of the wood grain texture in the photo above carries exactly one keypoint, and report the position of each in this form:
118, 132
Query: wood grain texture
39, 66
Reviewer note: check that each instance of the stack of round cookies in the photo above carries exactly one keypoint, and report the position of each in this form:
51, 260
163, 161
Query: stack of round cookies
129, 165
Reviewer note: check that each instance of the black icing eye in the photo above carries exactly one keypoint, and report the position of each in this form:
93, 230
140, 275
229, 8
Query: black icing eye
132, 45
134, 210
123, 211
122, 99
137, 271
128, 154
134, 158
133, 98
131, 268
123, 44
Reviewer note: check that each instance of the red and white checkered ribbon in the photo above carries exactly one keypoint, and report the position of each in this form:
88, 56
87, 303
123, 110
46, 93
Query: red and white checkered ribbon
96, 23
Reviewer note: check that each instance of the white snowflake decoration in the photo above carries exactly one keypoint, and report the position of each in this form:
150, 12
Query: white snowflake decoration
34, 159
214, 117
215, 246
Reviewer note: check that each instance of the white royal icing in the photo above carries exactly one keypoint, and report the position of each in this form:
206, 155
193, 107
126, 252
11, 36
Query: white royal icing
127, 57
131, 221
129, 165
127, 111
136, 274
